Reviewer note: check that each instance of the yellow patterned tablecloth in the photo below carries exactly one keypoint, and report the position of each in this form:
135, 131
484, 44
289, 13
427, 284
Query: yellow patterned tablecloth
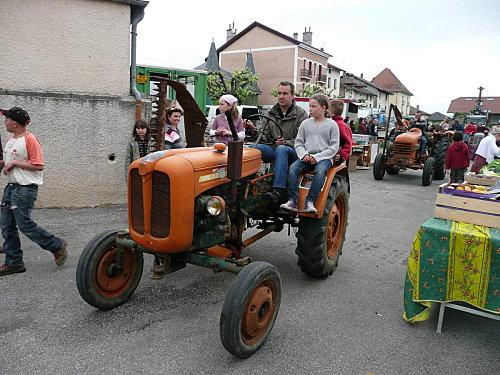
449, 262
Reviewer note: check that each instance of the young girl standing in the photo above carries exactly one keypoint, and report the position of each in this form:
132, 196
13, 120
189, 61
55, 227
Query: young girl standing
316, 145
140, 144
173, 138
220, 127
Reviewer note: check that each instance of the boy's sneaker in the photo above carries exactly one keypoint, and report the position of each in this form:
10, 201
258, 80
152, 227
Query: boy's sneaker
7, 270
309, 207
291, 205
61, 255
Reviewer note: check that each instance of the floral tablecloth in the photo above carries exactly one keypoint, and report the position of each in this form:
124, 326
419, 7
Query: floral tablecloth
452, 261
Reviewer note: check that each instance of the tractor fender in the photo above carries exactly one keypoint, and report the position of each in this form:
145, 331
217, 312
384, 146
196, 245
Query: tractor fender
320, 203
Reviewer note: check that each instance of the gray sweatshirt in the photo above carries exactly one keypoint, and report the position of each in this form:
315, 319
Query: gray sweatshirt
320, 140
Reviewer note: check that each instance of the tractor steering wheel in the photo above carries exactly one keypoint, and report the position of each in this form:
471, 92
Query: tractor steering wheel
264, 131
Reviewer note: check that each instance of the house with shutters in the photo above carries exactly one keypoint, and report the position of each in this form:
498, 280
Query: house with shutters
276, 57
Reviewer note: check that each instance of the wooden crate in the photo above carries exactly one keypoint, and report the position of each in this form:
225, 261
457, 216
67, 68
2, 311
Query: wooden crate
467, 207
479, 179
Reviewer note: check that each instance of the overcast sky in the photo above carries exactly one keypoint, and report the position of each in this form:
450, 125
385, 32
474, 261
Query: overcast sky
440, 50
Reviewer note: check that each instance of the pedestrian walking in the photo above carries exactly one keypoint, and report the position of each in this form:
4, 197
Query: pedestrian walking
23, 164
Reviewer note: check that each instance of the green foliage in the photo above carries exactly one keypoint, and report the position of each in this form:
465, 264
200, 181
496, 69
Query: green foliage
460, 116
310, 89
240, 85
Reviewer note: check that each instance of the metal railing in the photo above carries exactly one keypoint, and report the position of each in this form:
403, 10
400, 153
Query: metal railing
321, 78
305, 73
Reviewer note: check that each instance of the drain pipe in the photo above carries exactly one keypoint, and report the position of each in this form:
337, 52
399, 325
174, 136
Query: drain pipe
136, 16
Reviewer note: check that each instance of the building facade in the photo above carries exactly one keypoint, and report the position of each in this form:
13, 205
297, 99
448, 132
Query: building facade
72, 75
401, 97
363, 91
276, 57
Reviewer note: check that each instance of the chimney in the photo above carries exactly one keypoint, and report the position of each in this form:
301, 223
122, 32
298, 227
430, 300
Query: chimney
230, 32
418, 107
307, 36
361, 75
295, 35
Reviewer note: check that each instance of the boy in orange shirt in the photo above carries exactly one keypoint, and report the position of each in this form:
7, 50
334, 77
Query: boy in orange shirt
23, 164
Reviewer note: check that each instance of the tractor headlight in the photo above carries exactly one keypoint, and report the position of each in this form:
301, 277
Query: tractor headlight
215, 205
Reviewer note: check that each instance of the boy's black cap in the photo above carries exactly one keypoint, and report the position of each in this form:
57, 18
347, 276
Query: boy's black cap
17, 114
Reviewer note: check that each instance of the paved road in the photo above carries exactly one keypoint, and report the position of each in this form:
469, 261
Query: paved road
348, 324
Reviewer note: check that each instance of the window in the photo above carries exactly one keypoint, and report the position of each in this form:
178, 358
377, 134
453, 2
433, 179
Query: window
335, 84
329, 82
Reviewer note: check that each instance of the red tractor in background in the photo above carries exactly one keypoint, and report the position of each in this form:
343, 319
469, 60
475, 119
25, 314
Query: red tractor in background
403, 152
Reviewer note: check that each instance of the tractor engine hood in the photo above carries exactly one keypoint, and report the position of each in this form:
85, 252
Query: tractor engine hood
207, 165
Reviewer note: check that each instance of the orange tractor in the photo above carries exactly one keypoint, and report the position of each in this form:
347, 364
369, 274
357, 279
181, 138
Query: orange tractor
193, 206
403, 153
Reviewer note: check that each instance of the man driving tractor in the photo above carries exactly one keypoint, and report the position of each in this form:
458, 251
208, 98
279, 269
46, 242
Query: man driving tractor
289, 116
422, 125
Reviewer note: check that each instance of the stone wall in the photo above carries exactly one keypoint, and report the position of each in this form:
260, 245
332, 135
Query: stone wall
84, 139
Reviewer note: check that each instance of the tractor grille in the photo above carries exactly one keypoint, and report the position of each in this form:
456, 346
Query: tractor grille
402, 148
160, 205
136, 202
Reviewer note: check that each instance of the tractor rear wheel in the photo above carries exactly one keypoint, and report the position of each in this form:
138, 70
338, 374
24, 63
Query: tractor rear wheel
428, 171
379, 167
106, 276
320, 241
440, 149
250, 309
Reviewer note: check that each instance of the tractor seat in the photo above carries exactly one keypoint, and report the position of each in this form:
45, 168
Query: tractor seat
412, 136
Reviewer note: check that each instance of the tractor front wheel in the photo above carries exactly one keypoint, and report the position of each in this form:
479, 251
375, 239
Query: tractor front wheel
379, 167
428, 172
320, 241
107, 276
250, 309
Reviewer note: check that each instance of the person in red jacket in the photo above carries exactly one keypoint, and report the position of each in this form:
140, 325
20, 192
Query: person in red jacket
469, 132
457, 158
337, 107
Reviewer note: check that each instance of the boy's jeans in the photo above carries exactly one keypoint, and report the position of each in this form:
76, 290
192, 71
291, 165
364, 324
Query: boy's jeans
297, 168
17, 203
283, 157
457, 175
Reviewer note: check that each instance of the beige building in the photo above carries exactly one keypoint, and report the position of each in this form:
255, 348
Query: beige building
68, 64
276, 56
401, 97
333, 80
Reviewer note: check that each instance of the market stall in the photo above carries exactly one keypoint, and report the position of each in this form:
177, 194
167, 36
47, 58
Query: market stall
455, 257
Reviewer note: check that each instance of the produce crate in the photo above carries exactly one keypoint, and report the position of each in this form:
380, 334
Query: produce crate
467, 207
481, 179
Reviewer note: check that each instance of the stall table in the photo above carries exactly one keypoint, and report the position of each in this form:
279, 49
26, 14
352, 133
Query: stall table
453, 262
364, 154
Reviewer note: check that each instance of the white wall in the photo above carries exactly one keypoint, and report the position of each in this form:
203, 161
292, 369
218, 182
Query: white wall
77, 46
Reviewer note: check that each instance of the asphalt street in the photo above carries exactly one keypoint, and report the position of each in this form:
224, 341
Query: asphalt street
350, 323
